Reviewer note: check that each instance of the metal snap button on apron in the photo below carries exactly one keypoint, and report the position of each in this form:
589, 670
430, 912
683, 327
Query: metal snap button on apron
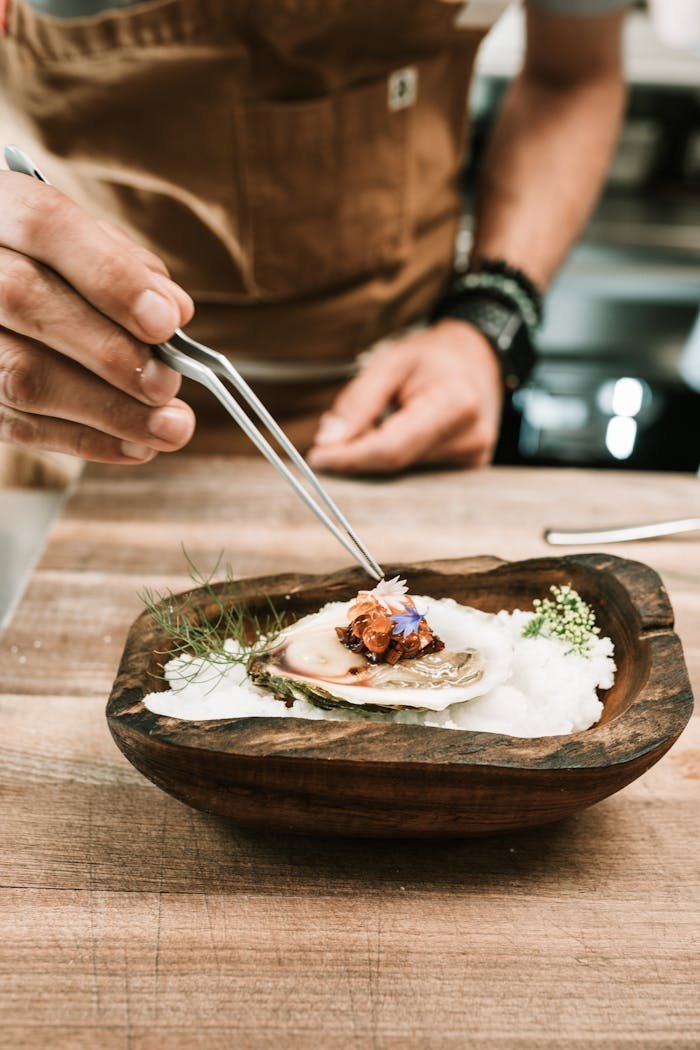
403, 88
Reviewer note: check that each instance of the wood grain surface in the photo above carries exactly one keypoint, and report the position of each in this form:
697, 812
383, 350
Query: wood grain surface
130, 921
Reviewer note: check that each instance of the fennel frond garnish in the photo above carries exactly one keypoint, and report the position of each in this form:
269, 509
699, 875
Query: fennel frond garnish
230, 633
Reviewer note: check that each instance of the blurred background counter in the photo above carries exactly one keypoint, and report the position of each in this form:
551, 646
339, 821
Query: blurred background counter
618, 382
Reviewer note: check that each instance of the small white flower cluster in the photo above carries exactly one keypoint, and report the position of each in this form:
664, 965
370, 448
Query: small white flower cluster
568, 618
392, 594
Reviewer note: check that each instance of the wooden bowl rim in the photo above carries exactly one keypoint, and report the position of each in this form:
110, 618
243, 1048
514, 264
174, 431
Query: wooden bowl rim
656, 716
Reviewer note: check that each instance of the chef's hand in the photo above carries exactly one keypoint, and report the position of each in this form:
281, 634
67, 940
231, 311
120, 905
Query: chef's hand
79, 304
431, 397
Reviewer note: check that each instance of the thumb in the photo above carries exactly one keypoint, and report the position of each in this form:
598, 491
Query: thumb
361, 403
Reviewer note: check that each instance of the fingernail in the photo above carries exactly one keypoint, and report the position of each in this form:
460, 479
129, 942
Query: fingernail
174, 291
158, 382
157, 316
134, 451
170, 424
331, 429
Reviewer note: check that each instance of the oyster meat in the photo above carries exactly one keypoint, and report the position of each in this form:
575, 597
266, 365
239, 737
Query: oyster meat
307, 661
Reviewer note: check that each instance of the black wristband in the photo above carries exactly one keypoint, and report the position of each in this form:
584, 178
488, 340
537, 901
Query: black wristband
506, 307
505, 330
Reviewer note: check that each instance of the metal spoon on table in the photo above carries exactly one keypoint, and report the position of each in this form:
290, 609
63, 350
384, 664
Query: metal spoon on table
621, 534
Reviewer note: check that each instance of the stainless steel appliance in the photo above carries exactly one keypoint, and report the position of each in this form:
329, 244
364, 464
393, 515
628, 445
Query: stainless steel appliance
616, 384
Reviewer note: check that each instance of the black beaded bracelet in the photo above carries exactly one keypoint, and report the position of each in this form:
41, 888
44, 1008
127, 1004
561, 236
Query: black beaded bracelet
499, 267
501, 281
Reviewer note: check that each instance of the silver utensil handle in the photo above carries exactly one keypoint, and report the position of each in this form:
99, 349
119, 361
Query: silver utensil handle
621, 534
203, 374
17, 160
220, 364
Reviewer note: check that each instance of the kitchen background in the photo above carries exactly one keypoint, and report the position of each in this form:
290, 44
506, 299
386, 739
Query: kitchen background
618, 383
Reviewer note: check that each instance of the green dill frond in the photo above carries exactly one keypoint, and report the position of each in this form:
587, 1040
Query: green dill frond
201, 638
567, 617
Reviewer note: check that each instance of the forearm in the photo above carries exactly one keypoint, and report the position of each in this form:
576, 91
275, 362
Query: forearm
544, 168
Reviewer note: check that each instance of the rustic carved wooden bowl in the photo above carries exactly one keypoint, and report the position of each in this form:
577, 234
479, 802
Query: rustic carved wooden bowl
355, 778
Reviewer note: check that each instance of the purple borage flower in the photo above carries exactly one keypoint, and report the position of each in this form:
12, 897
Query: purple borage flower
407, 623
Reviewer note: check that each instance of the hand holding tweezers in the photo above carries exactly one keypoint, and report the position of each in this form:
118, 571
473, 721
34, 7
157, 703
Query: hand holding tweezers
208, 367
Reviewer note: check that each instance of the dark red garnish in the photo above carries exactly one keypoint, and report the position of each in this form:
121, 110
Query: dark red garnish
373, 634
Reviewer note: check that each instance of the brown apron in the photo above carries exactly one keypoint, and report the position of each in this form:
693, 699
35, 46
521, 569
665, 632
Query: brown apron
294, 162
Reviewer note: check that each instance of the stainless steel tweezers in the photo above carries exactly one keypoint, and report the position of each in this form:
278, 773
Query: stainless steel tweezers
209, 367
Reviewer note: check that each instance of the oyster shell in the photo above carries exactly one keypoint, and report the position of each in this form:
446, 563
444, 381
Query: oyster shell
307, 661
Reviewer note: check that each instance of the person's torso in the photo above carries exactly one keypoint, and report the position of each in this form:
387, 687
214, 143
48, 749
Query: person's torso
295, 162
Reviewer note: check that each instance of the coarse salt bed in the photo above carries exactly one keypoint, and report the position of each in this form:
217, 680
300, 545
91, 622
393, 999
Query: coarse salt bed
547, 689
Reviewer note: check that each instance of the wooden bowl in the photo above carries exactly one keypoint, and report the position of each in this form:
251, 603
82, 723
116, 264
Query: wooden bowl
372, 779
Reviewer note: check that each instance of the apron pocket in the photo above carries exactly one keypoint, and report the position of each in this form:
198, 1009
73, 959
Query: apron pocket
324, 189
